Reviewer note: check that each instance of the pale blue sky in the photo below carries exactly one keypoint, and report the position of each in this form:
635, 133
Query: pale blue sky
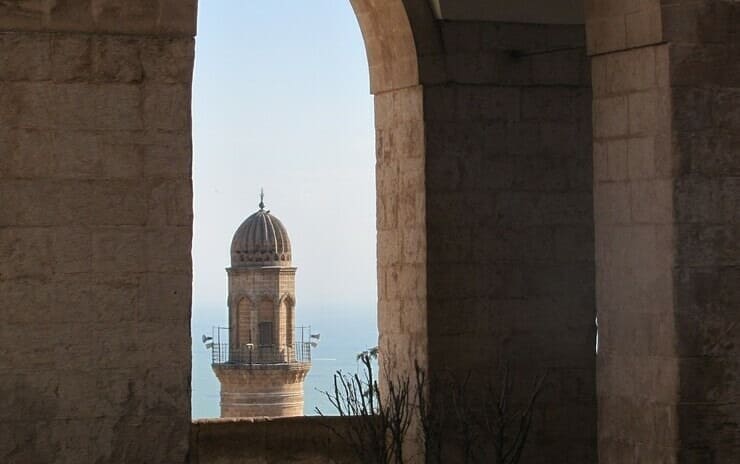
281, 101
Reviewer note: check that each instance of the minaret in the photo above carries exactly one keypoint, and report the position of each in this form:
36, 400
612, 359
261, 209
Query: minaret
262, 367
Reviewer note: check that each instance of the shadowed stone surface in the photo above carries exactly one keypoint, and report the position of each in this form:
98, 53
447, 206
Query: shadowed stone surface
499, 231
304, 440
95, 231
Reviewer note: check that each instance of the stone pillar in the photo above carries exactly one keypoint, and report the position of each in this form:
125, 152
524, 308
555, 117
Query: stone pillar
509, 224
402, 258
401, 199
95, 230
485, 225
705, 84
665, 80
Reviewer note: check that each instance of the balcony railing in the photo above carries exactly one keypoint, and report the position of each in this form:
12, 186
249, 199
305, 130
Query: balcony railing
223, 353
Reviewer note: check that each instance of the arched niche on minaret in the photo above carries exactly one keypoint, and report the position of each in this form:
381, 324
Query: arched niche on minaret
244, 321
266, 322
287, 320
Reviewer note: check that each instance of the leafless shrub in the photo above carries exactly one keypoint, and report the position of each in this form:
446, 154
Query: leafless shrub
358, 398
484, 428
507, 427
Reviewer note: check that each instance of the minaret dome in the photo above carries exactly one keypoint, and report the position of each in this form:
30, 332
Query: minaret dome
261, 240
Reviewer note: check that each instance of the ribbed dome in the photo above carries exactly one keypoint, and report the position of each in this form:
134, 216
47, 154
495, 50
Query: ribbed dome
261, 240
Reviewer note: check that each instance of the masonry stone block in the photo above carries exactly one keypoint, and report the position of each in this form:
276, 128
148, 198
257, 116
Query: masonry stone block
138, 13
643, 26
610, 117
166, 204
606, 34
643, 112
167, 249
652, 201
641, 157
704, 244
168, 60
117, 60
710, 64
17, 292
25, 252
24, 59
167, 107
612, 203
71, 57
75, 154
560, 68
552, 104
30, 153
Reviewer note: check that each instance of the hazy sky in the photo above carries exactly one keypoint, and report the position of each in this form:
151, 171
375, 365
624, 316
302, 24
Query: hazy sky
281, 101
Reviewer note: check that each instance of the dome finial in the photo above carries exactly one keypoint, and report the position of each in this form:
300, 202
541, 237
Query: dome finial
262, 199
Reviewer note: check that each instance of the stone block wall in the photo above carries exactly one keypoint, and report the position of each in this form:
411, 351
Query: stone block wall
510, 223
633, 198
705, 85
95, 231
484, 245
665, 143
401, 223
301, 440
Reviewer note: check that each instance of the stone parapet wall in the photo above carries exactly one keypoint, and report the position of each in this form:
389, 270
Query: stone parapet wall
300, 440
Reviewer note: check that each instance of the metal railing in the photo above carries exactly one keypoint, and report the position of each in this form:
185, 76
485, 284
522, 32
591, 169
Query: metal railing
223, 353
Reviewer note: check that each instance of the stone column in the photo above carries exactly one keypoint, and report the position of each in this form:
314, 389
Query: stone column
509, 222
485, 225
400, 149
95, 230
665, 79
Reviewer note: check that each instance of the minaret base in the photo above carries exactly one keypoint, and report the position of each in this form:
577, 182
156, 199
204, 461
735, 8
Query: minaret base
261, 390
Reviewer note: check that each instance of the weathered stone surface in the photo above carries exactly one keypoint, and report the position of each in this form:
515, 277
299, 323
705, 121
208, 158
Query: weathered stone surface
154, 17
84, 236
485, 237
662, 229
305, 440
502, 280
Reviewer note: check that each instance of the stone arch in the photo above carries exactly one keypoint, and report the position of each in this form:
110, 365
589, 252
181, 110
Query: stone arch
286, 298
401, 41
473, 130
235, 297
675, 111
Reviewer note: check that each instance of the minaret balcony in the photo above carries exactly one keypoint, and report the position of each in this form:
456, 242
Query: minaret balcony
250, 354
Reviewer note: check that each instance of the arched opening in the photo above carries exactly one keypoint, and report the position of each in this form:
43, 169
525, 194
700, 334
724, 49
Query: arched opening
280, 101
95, 224
484, 202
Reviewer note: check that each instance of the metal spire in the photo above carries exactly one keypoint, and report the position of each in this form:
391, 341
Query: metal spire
262, 199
